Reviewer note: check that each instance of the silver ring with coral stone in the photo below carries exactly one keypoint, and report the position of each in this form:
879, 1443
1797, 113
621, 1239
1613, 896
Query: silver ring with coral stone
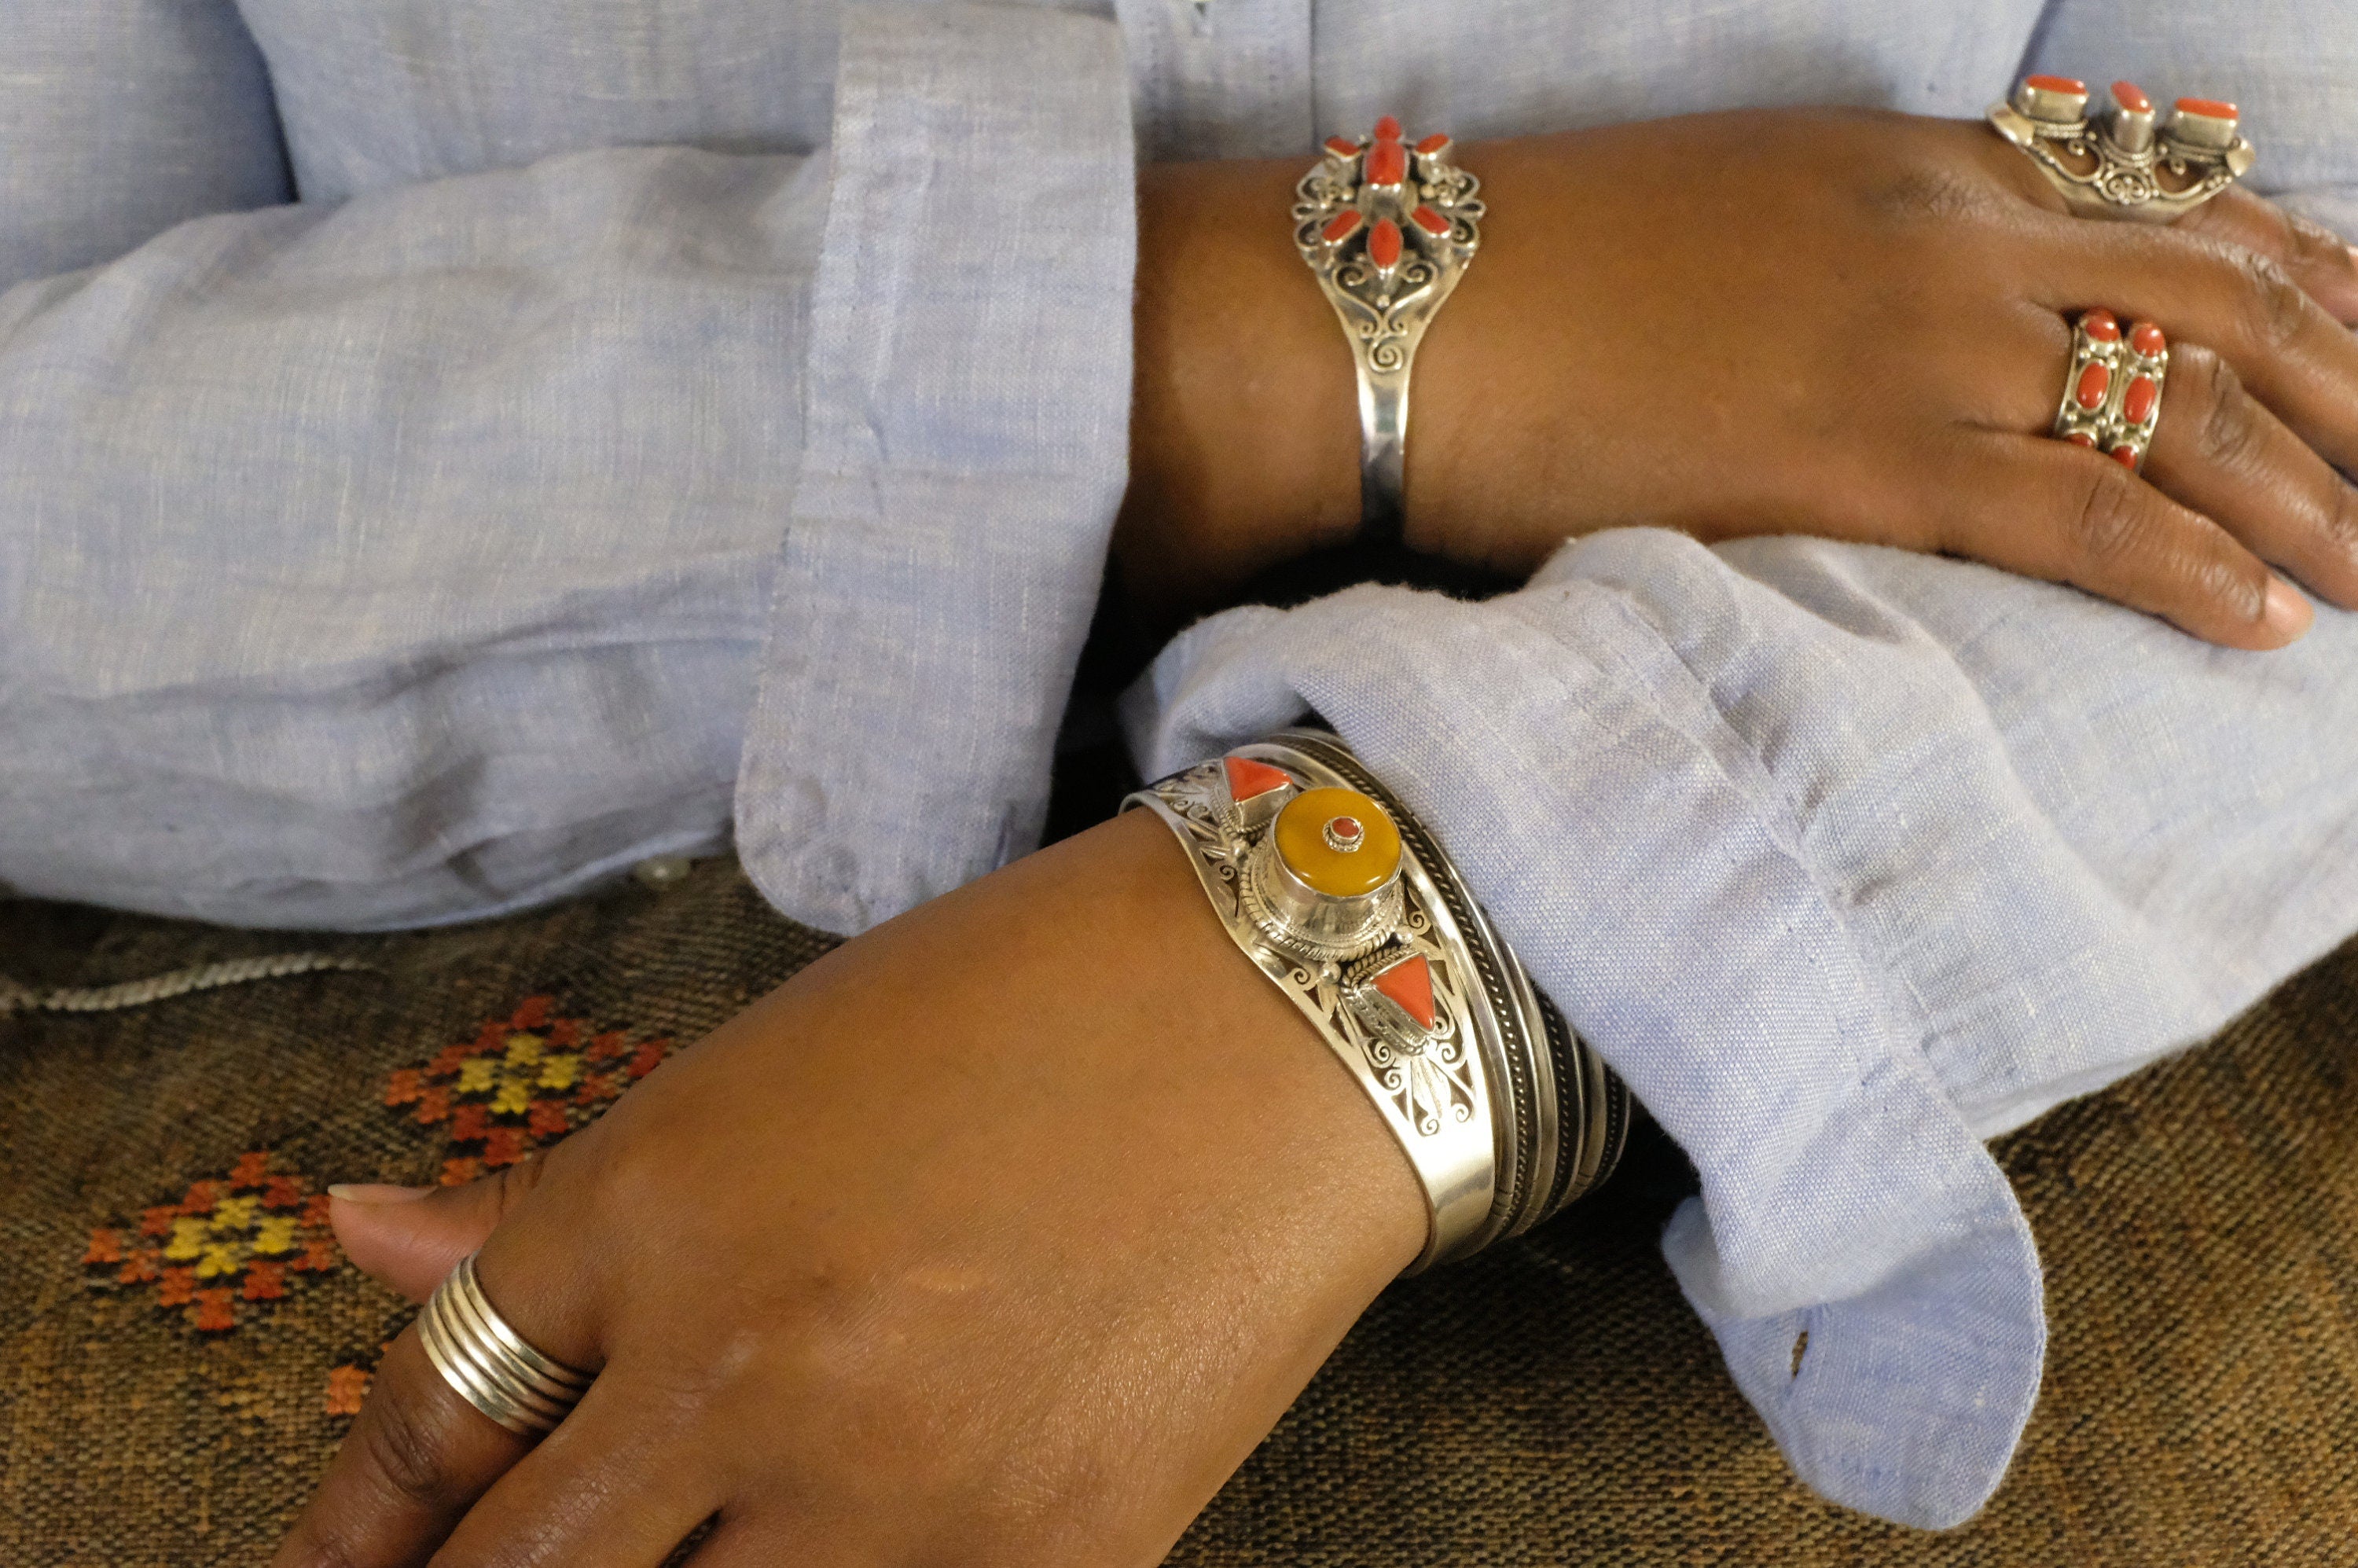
2128, 161
2112, 394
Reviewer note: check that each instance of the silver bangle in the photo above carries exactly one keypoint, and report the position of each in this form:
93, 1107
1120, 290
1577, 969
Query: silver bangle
1505, 1113
1387, 230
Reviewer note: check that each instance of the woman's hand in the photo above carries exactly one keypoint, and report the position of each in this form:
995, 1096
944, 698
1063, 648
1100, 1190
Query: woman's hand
999, 1235
1840, 324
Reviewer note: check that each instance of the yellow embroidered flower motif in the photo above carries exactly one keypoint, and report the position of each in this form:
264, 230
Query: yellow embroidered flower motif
188, 1240
235, 1214
228, 1247
520, 1084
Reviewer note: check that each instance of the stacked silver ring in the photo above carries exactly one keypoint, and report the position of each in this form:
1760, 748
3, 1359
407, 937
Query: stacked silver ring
490, 1365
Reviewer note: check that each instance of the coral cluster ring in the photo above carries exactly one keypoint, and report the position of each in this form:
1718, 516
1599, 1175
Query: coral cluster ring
2112, 394
2129, 160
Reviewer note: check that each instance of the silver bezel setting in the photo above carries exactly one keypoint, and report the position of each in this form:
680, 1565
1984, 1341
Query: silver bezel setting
2107, 426
1505, 1113
2110, 166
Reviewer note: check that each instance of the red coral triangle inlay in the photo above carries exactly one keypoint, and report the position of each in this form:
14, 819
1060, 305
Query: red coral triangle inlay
1248, 778
1410, 983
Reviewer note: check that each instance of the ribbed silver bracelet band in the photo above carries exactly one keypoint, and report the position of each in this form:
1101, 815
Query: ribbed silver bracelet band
1348, 905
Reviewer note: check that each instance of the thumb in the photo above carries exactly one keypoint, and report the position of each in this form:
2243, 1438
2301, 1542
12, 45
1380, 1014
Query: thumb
409, 1238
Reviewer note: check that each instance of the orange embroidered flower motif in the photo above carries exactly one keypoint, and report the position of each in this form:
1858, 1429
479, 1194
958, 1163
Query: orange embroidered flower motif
347, 1387
520, 1084
229, 1240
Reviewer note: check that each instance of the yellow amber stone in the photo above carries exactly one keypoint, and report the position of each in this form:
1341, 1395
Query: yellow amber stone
1338, 841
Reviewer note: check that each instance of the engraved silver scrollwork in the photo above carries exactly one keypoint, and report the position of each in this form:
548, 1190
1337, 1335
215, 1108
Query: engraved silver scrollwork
1432, 1083
1425, 1069
2112, 165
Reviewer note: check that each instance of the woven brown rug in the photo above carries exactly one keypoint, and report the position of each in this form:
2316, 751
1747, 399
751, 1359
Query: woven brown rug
180, 1345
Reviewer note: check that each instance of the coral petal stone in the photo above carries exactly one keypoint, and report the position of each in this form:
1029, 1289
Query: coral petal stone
2093, 381
1388, 129
1434, 143
2124, 456
1387, 164
1248, 778
2080, 438
2044, 84
2131, 97
2137, 406
1384, 244
2102, 325
1342, 227
1410, 983
2147, 340
1342, 147
2209, 108
1431, 221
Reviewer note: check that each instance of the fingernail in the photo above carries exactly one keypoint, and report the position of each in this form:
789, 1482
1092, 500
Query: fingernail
382, 1192
2286, 614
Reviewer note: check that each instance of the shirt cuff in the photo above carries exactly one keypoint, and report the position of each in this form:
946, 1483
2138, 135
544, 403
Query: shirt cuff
1844, 857
966, 428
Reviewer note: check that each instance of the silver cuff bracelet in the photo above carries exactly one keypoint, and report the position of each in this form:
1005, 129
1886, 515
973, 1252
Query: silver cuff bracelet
1387, 230
1342, 899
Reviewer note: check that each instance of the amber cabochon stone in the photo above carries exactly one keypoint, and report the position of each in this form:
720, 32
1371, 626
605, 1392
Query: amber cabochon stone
1301, 834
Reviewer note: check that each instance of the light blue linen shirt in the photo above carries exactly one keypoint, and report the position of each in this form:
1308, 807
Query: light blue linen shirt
660, 421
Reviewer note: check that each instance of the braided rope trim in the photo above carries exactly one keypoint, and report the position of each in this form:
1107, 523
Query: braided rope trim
17, 998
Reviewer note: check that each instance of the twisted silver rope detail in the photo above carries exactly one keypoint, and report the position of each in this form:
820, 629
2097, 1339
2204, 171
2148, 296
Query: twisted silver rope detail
18, 997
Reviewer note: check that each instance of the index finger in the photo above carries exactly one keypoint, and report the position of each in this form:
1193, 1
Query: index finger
420, 1455
416, 1461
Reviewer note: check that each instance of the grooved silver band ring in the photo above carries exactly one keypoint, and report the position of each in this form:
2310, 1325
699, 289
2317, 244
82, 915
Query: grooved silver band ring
489, 1364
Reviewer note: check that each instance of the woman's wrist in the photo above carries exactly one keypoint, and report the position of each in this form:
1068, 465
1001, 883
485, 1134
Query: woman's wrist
1244, 424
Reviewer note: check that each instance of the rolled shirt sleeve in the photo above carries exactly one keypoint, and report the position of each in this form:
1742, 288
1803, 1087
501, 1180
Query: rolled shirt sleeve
120, 118
967, 429
439, 551
405, 560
